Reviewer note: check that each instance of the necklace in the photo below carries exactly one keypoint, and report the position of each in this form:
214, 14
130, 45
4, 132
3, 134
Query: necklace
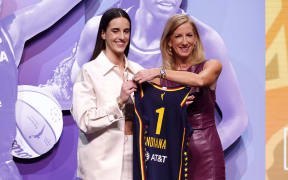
182, 67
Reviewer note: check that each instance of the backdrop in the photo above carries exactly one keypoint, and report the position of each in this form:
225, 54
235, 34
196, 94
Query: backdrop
48, 58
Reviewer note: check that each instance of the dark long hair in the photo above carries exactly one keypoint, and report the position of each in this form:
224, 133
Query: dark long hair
108, 16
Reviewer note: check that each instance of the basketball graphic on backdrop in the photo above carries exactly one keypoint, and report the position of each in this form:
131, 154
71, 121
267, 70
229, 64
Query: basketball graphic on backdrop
39, 122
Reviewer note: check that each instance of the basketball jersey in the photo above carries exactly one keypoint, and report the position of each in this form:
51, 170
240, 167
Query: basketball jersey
161, 133
8, 94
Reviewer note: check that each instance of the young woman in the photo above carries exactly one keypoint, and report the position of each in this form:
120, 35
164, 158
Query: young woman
183, 63
102, 103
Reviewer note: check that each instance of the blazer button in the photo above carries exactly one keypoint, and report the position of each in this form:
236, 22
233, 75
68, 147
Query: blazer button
111, 118
115, 116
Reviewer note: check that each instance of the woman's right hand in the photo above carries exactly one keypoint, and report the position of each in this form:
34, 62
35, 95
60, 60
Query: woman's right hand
127, 88
146, 75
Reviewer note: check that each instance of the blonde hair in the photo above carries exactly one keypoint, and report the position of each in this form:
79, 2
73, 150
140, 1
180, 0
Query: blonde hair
168, 56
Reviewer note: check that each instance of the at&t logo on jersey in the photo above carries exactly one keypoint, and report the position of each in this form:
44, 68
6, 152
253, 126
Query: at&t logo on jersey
155, 157
158, 158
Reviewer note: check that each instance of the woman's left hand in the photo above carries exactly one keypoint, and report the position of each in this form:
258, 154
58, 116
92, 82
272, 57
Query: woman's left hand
146, 75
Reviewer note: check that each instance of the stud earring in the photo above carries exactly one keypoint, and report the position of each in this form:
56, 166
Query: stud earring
195, 44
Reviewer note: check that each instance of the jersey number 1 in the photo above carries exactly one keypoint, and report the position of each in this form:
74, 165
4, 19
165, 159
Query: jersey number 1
159, 111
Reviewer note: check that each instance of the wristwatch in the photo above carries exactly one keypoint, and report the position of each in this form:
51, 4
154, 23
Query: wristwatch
162, 72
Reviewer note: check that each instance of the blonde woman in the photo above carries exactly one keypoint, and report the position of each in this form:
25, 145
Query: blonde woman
184, 63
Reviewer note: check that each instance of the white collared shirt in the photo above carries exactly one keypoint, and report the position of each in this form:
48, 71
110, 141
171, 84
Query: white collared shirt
101, 122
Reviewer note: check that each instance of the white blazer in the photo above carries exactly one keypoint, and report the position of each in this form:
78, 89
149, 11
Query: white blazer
101, 122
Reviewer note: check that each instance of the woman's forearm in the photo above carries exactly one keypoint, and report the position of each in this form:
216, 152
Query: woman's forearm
186, 78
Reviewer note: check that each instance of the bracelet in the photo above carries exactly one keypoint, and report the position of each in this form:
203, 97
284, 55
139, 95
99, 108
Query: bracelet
162, 73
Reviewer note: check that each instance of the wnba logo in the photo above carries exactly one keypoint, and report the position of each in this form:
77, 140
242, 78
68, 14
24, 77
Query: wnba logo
147, 156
